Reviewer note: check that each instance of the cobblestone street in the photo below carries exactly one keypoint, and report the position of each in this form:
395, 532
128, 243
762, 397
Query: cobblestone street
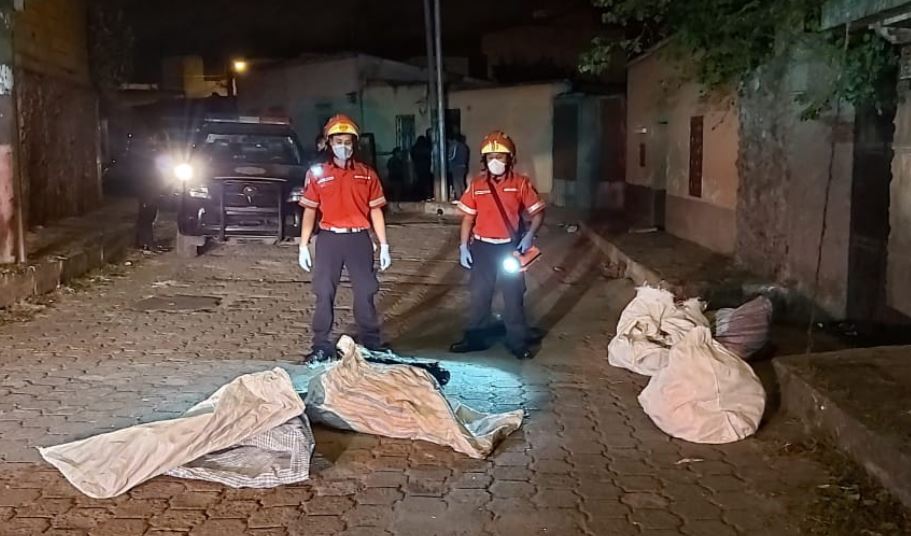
586, 461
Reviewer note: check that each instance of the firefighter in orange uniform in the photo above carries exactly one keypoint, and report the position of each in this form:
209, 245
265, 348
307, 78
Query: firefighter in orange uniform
350, 199
492, 230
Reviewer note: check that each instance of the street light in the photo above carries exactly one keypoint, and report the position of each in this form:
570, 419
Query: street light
238, 66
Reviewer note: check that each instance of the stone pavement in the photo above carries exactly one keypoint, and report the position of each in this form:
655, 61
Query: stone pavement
148, 341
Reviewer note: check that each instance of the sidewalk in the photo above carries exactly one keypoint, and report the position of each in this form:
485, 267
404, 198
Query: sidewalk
69, 248
659, 259
860, 400
857, 399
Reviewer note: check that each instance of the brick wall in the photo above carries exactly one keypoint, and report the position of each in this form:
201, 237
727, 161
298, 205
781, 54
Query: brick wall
58, 111
51, 38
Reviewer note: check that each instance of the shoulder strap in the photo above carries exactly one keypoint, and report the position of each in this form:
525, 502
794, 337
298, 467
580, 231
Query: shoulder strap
513, 233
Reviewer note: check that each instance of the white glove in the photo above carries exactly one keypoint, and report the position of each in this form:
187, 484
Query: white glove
465, 257
527, 241
385, 258
304, 258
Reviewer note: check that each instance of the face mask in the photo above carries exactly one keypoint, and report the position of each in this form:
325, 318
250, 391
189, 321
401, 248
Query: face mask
342, 152
496, 167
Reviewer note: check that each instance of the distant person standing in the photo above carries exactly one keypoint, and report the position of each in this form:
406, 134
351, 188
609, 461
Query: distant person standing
320, 156
150, 170
459, 157
320, 153
395, 173
421, 153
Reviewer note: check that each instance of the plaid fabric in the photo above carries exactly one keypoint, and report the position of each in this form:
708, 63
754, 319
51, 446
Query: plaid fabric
278, 457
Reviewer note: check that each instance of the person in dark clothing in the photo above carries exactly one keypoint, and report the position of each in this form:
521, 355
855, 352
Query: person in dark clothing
320, 152
149, 165
395, 173
421, 154
320, 156
459, 157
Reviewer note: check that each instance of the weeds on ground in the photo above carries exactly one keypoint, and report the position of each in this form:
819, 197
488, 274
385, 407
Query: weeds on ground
851, 503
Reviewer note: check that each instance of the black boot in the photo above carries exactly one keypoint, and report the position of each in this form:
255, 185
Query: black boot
471, 342
320, 355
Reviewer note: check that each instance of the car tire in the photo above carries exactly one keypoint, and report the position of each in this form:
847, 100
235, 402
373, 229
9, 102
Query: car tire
188, 246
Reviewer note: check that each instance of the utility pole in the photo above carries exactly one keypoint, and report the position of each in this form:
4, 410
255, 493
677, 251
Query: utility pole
441, 110
12, 225
431, 61
435, 96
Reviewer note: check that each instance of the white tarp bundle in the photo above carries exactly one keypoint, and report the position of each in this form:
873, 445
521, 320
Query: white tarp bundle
705, 394
403, 402
649, 326
107, 465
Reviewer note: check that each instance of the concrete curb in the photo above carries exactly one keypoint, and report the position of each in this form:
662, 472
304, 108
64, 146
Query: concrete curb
631, 269
882, 458
424, 207
47, 274
726, 292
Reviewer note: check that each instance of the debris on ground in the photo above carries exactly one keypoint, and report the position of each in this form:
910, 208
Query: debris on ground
440, 374
254, 432
402, 402
745, 330
686, 461
108, 465
700, 391
649, 326
705, 394
851, 502
276, 457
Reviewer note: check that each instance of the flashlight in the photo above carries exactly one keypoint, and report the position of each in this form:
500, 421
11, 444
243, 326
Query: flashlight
519, 262
511, 265
183, 171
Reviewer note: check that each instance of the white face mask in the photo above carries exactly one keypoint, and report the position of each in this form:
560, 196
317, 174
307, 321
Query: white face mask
496, 167
342, 152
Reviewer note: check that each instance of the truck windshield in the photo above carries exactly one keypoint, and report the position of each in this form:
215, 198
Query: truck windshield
252, 149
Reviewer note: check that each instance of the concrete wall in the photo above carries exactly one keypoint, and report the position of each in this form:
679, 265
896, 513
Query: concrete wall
597, 179
58, 112
898, 285
525, 112
366, 88
310, 91
784, 167
659, 109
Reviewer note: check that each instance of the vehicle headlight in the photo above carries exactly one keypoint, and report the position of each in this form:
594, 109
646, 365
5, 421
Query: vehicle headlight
184, 171
511, 265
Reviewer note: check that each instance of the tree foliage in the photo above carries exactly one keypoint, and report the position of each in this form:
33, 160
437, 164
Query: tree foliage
721, 42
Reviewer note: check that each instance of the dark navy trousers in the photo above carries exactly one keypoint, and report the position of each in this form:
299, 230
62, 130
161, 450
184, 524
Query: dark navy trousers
353, 251
486, 272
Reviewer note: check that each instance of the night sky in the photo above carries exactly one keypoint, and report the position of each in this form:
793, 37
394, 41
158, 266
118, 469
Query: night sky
218, 29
